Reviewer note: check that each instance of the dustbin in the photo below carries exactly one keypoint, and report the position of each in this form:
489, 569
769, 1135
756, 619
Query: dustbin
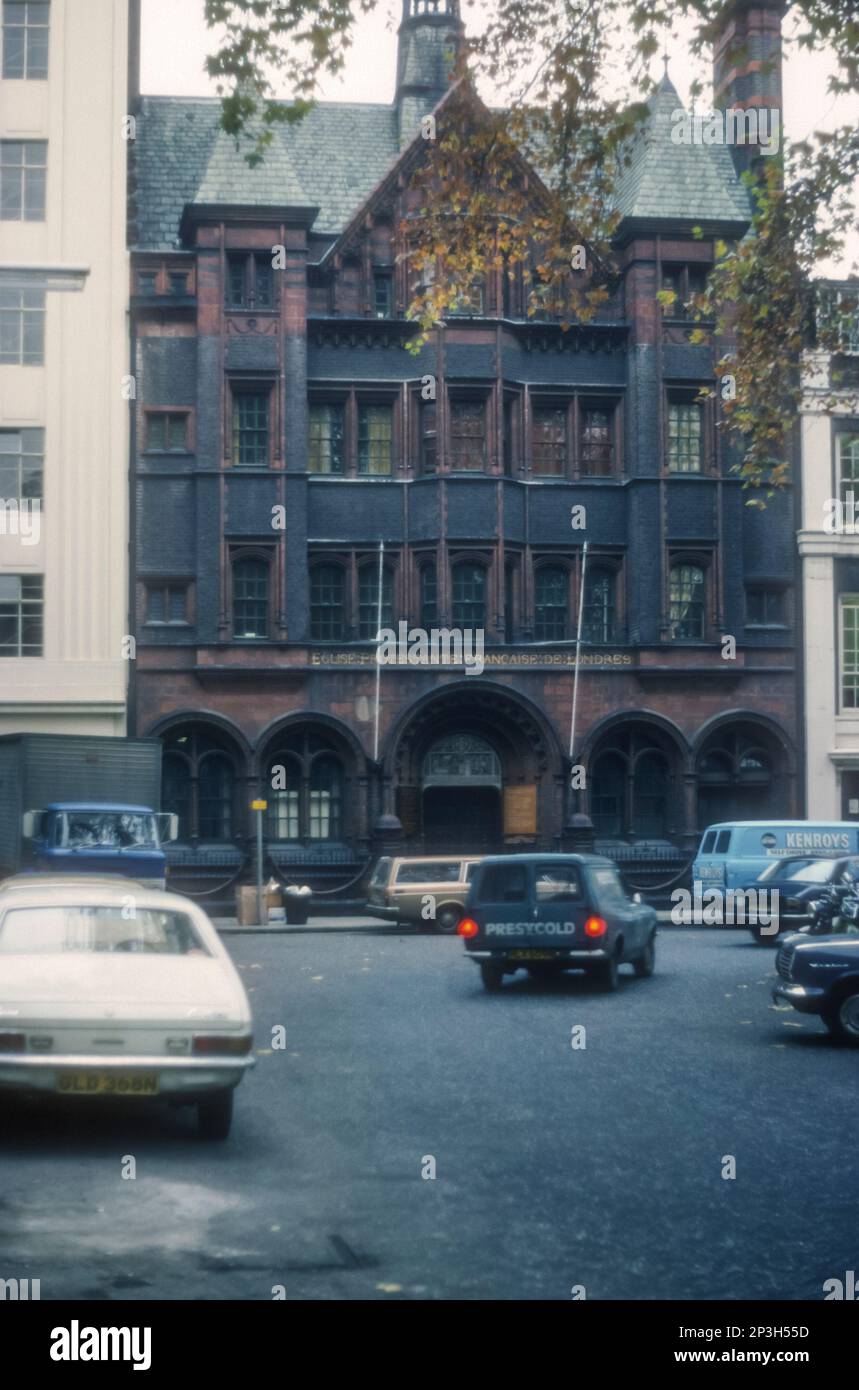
296, 902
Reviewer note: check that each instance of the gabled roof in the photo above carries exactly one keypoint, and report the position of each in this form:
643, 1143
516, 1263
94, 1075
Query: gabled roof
663, 180
339, 155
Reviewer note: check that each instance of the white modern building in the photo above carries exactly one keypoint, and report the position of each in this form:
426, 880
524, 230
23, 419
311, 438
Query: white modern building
829, 558
64, 100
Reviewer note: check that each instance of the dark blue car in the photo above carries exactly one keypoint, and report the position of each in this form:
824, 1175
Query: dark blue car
820, 975
545, 913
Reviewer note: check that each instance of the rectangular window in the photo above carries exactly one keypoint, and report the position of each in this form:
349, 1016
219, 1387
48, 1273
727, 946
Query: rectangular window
684, 282
375, 439
549, 441
850, 651
596, 452
368, 601
468, 435
21, 614
22, 328
22, 465
847, 461
23, 180
147, 282
429, 437
250, 281
251, 428
687, 602
250, 599
684, 437
166, 603
383, 296
26, 28
764, 607
166, 432
179, 282
325, 441
470, 301
469, 596
327, 598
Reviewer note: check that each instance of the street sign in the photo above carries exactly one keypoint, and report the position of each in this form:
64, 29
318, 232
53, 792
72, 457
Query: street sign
259, 805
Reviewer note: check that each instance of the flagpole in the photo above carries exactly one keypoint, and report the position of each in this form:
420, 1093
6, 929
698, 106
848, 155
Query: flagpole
578, 650
378, 649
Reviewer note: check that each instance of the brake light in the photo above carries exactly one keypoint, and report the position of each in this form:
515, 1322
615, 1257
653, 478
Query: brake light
223, 1046
12, 1042
596, 926
467, 927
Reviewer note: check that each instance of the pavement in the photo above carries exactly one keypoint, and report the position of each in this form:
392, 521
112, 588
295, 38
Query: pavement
598, 1166
229, 926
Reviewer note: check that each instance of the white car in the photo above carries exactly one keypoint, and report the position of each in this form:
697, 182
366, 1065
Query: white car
117, 990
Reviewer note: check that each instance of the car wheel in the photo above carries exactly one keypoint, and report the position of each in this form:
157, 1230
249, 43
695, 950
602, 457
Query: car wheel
492, 976
608, 975
646, 963
764, 937
215, 1115
448, 918
842, 1017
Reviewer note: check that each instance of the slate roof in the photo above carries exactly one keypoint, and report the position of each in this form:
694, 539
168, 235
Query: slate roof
677, 182
336, 156
332, 160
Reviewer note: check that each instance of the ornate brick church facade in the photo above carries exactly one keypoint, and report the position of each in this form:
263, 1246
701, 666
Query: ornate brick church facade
289, 394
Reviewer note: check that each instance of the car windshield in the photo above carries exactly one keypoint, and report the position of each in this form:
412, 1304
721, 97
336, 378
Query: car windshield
95, 930
108, 830
811, 873
780, 869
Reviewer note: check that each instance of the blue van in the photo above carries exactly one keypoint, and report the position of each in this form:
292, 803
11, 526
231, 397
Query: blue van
733, 854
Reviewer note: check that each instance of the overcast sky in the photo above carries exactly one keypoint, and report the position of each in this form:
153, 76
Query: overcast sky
176, 40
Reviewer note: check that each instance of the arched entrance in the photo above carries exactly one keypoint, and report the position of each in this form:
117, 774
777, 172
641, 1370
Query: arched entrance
461, 790
474, 768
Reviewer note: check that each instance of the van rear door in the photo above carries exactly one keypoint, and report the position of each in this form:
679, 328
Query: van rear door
500, 904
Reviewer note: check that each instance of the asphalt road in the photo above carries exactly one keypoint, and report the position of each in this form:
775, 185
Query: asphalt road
555, 1167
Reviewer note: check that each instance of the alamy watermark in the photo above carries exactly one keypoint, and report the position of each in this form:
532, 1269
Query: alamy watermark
759, 126
435, 646
726, 907
21, 517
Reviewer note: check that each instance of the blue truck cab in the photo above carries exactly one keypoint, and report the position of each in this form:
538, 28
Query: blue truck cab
98, 837
734, 853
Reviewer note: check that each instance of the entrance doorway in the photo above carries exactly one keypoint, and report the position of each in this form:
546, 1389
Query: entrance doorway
461, 795
467, 819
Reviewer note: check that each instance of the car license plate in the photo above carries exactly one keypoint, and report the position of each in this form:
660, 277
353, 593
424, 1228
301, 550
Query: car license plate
533, 955
108, 1083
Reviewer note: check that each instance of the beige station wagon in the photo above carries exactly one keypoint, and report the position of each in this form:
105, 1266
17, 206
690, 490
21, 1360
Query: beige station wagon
422, 892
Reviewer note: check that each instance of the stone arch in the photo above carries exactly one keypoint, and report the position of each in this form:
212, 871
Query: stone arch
480, 810
744, 765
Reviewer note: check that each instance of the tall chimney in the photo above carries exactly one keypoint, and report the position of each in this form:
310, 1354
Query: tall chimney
747, 74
